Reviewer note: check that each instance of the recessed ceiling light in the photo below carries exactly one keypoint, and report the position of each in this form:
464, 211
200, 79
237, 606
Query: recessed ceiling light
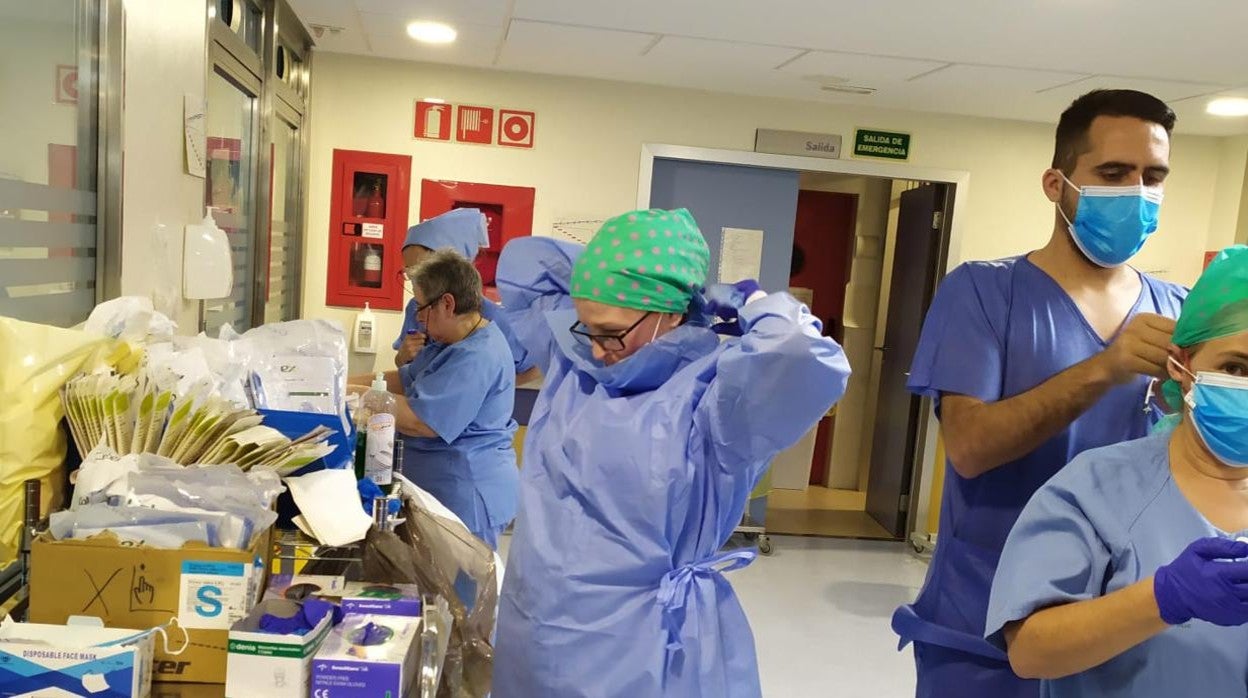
431, 32
1228, 106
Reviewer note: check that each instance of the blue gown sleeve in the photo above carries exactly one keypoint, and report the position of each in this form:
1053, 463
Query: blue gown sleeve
409, 323
533, 278
772, 385
449, 397
960, 350
1055, 554
496, 314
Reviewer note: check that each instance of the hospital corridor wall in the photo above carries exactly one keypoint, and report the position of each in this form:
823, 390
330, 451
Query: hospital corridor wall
584, 164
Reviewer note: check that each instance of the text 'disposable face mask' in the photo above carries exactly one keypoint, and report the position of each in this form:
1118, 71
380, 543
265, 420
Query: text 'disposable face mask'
1112, 224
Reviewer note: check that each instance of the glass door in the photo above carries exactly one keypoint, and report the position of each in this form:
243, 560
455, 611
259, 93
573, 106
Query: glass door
230, 193
285, 268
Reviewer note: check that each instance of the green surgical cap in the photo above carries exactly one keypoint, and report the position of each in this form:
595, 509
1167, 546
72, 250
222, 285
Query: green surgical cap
645, 260
1217, 307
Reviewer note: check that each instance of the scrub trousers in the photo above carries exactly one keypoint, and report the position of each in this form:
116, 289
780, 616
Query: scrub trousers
950, 673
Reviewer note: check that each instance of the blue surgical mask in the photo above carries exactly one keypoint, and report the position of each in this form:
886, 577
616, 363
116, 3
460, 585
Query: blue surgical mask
1112, 223
647, 368
1219, 409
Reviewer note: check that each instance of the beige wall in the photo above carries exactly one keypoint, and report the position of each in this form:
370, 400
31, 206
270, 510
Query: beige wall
164, 60
1227, 216
589, 135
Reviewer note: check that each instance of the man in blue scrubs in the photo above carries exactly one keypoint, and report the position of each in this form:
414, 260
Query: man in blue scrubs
1034, 359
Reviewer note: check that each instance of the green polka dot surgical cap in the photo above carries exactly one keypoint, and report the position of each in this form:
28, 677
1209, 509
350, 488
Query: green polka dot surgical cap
645, 260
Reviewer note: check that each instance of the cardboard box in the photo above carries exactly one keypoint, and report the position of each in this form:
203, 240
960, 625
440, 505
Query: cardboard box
57, 660
206, 590
344, 668
297, 587
264, 665
362, 598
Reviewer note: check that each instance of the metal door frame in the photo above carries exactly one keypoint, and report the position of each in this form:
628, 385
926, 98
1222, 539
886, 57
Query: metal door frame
916, 522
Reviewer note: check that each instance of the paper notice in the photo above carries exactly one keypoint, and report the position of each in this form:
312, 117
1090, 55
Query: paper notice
740, 254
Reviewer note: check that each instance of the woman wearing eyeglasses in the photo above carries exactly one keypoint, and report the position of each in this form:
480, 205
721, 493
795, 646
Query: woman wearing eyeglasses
464, 231
645, 442
460, 391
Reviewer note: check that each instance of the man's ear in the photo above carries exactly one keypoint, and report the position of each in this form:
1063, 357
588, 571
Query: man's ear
1054, 184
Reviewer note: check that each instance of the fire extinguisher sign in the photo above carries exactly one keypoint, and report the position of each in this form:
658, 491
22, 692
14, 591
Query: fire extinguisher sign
433, 121
477, 125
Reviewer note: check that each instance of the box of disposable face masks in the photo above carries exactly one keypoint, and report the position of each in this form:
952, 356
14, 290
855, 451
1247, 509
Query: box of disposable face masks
265, 665
204, 590
367, 657
81, 658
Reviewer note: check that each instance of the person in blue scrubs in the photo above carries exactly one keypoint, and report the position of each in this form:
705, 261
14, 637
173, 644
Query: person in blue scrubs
1123, 577
1031, 361
646, 440
460, 392
464, 231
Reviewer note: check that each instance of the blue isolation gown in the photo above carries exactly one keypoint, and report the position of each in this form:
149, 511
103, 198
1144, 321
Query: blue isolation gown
634, 477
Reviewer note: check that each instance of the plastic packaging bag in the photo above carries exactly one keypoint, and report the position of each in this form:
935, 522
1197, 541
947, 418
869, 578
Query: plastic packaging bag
289, 360
438, 554
35, 362
159, 529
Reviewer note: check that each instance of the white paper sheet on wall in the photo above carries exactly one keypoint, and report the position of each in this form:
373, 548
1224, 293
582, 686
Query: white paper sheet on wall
740, 254
579, 229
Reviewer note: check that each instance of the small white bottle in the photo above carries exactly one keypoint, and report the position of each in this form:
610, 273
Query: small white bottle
377, 408
364, 336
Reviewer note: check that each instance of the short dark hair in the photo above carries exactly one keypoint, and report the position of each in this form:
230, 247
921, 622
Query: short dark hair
447, 271
1072, 129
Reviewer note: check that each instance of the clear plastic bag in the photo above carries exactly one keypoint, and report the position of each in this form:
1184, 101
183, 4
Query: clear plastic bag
301, 356
439, 555
160, 529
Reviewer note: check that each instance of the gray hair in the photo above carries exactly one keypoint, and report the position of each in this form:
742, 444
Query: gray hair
447, 271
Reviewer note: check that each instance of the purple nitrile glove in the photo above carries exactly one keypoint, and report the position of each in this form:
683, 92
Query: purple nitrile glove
1207, 581
724, 300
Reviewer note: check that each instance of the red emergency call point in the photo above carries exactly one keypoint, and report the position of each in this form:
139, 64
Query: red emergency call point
475, 125
433, 121
515, 128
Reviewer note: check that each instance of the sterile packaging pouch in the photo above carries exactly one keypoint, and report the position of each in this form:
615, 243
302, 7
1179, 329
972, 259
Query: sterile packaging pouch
79, 658
367, 657
265, 665
35, 363
206, 590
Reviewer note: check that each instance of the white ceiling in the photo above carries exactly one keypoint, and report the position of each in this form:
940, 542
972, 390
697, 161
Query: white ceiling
1014, 59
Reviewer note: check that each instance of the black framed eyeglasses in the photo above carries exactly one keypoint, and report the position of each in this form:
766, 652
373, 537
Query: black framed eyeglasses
422, 308
608, 342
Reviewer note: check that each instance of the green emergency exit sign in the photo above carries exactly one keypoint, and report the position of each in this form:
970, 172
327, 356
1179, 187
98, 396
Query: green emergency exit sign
881, 144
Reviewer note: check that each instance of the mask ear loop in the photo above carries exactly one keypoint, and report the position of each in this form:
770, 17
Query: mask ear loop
164, 636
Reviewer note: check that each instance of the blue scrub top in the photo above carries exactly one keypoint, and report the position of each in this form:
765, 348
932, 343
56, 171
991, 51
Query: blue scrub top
995, 330
465, 392
492, 312
1108, 520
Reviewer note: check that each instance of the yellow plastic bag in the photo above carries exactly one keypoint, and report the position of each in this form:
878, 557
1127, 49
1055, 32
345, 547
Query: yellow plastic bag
35, 362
